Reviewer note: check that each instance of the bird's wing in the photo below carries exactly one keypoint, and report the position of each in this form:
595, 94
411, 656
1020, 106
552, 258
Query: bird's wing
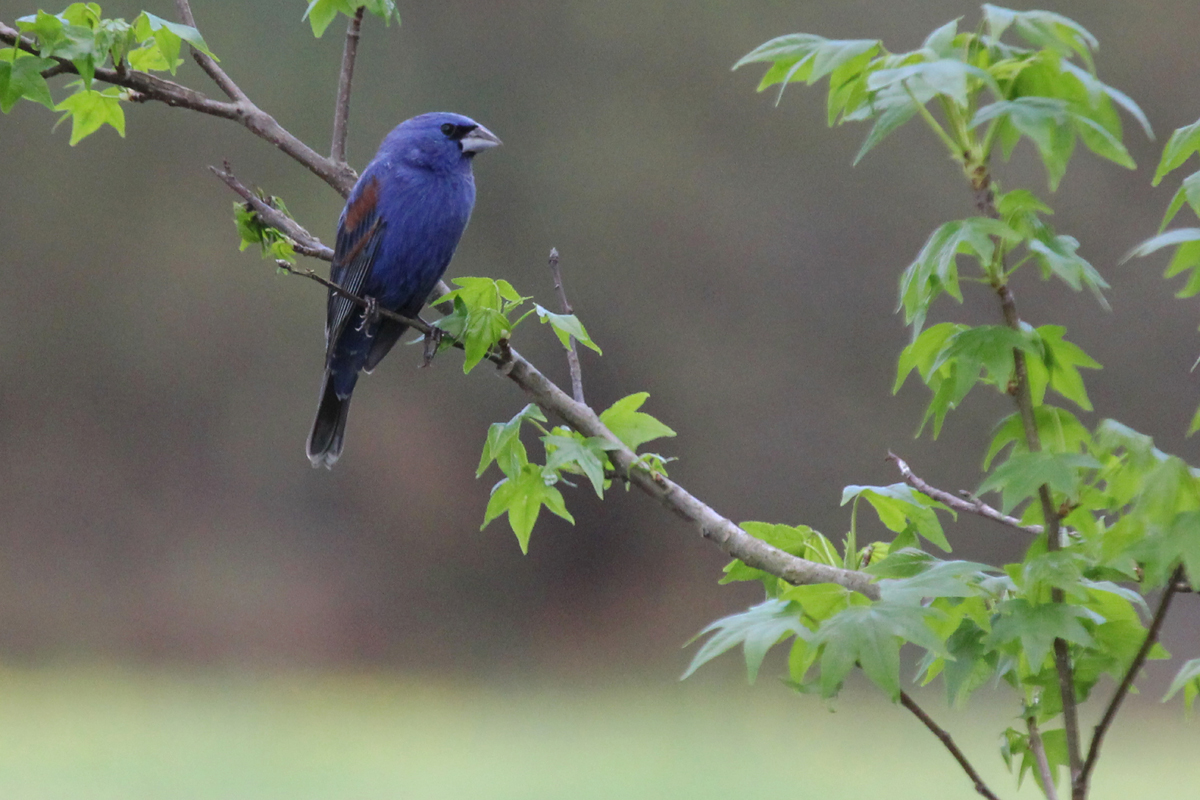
358, 240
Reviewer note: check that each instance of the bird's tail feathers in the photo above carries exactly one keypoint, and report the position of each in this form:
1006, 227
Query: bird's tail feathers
329, 428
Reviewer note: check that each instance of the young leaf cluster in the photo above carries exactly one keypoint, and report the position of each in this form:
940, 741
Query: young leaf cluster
273, 243
986, 88
83, 37
320, 13
528, 486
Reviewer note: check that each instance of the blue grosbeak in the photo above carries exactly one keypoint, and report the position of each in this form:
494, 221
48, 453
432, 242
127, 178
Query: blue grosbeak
395, 238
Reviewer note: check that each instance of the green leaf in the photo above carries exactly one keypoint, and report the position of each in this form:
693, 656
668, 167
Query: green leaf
1059, 431
1172, 543
483, 319
567, 326
1042, 29
89, 109
320, 13
986, 349
935, 269
898, 505
923, 352
1189, 192
384, 9
1020, 210
946, 77
23, 78
1187, 256
871, 636
939, 579
60, 38
1020, 476
168, 38
1037, 626
503, 444
806, 57
149, 58
1047, 123
1183, 142
631, 426
757, 630
1187, 679
522, 497
820, 601
969, 663
588, 455
1062, 359
1057, 256
891, 119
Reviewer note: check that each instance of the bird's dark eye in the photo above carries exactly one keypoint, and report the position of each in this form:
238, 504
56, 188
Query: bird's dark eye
448, 128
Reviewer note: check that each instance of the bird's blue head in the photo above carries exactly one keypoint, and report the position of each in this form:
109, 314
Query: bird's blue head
439, 141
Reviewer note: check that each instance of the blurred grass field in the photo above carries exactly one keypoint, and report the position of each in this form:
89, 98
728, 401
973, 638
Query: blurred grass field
111, 734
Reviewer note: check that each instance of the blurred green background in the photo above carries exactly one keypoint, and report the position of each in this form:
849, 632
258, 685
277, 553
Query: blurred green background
159, 516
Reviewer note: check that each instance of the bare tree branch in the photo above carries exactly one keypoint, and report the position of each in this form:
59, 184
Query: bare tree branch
206, 62
1080, 783
572, 349
341, 111
972, 506
1039, 753
948, 742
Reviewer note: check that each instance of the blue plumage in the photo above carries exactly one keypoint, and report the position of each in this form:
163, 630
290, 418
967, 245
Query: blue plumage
396, 236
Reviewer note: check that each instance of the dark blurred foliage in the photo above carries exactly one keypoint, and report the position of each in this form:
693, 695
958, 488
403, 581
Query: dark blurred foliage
157, 385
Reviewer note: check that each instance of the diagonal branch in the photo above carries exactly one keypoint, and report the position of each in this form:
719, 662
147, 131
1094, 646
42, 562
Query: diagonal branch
712, 526
948, 742
572, 349
207, 62
302, 241
341, 111
972, 506
1110, 713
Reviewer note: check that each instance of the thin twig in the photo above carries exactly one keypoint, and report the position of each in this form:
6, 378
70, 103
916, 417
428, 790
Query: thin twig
341, 111
1039, 753
972, 506
949, 744
302, 241
206, 62
572, 349
1110, 713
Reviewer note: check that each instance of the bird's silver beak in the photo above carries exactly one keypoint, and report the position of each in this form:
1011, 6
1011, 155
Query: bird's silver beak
479, 139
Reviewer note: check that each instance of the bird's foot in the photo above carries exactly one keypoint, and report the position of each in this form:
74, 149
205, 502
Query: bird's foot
433, 341
370, 316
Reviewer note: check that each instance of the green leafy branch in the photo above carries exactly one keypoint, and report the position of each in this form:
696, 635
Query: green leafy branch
528, 486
